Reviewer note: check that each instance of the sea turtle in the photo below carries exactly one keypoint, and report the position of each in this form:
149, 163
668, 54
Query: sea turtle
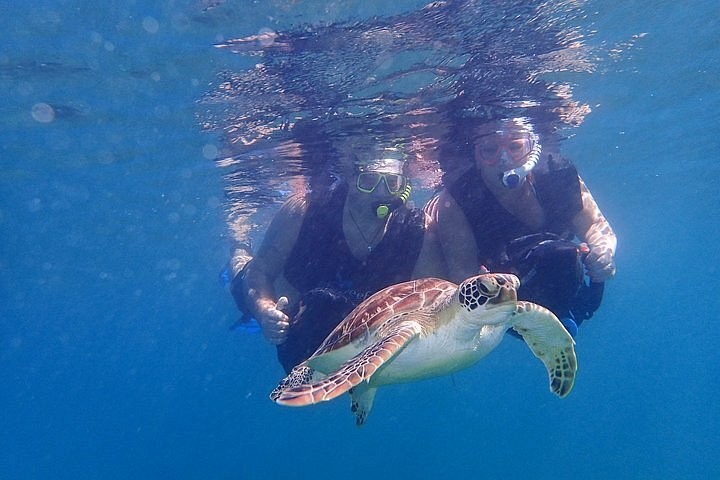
426, 328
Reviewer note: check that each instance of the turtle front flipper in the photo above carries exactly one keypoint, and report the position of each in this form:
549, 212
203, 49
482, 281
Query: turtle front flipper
550, 342
354, 371
361, 400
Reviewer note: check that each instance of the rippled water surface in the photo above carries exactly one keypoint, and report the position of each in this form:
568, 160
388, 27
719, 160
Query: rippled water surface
140, 140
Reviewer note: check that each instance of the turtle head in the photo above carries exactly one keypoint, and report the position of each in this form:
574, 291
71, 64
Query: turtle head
488, 290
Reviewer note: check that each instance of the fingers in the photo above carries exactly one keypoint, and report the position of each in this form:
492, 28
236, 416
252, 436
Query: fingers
281, 303
278, 323
275, 325
274, 322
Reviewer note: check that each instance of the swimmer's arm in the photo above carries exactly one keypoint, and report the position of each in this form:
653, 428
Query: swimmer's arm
430, 262
273, 253
592, 227
455, 237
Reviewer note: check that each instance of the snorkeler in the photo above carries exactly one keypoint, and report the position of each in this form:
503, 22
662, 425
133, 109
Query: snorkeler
328, 249
526, 213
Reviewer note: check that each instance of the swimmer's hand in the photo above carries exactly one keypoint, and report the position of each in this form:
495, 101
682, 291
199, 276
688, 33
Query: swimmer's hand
600, 264
273, 321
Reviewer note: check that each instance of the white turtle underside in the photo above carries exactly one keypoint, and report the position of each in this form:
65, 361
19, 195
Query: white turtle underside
433, 352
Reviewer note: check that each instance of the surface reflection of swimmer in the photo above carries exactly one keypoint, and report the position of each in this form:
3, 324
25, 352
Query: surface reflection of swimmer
327, 249
525, 212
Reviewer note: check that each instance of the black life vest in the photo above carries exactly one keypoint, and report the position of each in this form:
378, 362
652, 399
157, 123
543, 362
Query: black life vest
321, 257
557, 191
331, 281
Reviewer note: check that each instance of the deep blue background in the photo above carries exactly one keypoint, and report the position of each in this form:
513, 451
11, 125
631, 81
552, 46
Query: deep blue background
115, 357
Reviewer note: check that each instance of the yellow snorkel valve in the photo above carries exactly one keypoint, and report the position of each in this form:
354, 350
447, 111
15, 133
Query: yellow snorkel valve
384, 209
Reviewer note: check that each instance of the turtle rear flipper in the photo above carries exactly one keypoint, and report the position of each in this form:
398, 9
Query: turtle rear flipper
354, 371
550, 342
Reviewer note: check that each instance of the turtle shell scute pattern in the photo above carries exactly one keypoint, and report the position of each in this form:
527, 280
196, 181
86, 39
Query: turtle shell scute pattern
391, 302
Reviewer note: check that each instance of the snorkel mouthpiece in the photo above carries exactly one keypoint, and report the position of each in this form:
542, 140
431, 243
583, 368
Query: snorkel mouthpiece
511, 179
516, 176
382, 210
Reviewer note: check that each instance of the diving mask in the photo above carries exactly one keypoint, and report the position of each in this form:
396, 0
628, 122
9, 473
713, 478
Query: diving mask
367, 182
500, 148
518, 154
388, 170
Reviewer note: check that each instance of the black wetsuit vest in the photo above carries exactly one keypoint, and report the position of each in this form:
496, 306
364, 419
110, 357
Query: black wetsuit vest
321, 257
547, 260
330, 280
557, 191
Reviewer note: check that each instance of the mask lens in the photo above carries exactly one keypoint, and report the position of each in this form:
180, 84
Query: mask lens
517, 150
394, 182
488, 149
367, 181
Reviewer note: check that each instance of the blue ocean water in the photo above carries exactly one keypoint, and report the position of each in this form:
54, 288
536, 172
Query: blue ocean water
117, 360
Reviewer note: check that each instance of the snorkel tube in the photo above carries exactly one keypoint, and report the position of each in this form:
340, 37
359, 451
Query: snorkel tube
516, 176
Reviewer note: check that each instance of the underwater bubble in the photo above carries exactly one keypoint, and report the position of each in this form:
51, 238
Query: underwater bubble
210, 151
43, 113
35, 205
150, 25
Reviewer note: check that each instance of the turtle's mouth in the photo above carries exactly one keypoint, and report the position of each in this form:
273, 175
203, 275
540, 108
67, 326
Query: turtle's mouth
505, 295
